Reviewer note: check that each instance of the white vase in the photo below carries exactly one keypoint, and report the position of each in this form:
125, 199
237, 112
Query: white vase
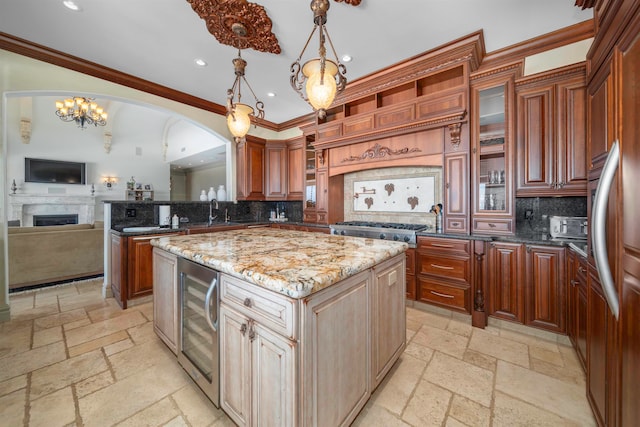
212, 194
203, 196
222, 194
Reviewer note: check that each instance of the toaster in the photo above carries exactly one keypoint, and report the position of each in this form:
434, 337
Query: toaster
568, 227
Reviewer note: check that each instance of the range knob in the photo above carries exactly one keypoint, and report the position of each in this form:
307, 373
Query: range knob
343, 233
396, 237
382, 236
407, 239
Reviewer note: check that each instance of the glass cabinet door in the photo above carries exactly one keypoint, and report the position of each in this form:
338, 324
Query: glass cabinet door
310, 177
491, 191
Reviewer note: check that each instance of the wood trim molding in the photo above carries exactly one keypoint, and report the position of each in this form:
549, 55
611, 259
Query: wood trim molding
560, 74
61, 59
519, 51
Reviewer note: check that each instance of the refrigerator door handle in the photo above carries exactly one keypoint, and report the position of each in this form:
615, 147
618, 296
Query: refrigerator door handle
598, 228
207, 305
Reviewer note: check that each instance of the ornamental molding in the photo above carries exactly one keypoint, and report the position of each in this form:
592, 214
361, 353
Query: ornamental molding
379, 151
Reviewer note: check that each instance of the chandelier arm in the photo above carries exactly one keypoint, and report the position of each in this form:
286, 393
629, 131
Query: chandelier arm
313, 31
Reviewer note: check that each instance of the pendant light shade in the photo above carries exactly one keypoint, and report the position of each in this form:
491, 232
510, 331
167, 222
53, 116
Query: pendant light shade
239, 120
321, 86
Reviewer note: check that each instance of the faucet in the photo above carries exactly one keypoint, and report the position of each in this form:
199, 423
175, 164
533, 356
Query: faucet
226, 215
211, 217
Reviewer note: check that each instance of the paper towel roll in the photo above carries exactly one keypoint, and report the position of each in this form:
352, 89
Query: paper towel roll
164, 214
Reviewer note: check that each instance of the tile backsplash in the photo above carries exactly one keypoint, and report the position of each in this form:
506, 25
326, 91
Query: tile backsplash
542, 208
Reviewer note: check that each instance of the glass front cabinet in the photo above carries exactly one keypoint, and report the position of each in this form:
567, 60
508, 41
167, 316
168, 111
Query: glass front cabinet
492, 155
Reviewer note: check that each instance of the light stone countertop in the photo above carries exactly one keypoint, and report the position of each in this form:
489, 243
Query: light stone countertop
294, 263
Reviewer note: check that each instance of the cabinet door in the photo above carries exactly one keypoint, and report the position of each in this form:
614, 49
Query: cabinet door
456, 193
276, 171
235, 365
571, 152
410, 259
600, 118
140, 276
506, 281
165, 297
295, 170
273, 383
250, 170
389, 325
597, 349
572, 298
322, 196
535, 141
545, 296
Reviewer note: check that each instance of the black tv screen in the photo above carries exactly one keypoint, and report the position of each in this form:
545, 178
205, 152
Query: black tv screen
54, 171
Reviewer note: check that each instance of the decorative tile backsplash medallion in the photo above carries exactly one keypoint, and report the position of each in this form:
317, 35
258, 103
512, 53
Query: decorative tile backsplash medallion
398, 194
394, 195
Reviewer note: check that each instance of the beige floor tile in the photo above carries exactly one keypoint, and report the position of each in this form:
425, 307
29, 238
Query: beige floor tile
428, 405
160, 413
104, 313
21, 363
21, 302
89, 301
428, 318
66, 372
15, 341
146, 309
499, 347
14, 325
142, 333
469, 412
532, 341
419, 351
480, 360
98, 343
118, 347
33, 313
197, 409
460, 328
573, 374
549, 356
94, 383
116, 403
394, 392
45, 299
452, 422
510, 412
12, 408
55, 409
58, 319
13, 384
376, 416
562, 398
47, 336
177, 422
409, 334
77, 324
103, 328
223, 422
442, 340
130, 361
461, 377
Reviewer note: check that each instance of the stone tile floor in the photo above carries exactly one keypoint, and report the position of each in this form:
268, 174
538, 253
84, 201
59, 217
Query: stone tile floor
68, 357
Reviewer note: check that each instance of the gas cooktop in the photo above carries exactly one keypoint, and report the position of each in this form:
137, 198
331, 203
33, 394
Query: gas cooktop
396, 226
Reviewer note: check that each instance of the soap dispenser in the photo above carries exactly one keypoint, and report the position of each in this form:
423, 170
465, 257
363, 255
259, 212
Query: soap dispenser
175, 221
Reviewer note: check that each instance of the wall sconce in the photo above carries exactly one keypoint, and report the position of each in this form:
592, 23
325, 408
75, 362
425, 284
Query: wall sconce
25, 130
107, 142
110, 182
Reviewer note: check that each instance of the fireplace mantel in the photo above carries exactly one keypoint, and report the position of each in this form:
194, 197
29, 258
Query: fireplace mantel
24, 206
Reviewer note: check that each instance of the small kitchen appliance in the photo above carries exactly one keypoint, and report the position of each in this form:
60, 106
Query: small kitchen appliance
568, 227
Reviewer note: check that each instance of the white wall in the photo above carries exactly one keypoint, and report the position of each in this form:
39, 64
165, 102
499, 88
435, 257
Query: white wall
203, 178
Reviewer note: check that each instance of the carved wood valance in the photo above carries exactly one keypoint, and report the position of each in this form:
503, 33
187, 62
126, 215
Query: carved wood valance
378, 151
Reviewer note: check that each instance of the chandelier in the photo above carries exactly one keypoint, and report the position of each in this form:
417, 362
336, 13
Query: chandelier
238, 114
83, 111
321, 77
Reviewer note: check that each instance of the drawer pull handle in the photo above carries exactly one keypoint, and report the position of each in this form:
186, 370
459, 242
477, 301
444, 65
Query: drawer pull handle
441, 295
247, 302
243, 329
581, 269
492, 225
442, 267
441, 245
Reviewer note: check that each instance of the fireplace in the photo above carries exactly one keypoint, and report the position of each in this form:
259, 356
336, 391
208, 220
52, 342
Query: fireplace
24, 207
44, 220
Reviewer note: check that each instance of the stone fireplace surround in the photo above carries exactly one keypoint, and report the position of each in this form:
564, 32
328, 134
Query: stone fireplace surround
24, 206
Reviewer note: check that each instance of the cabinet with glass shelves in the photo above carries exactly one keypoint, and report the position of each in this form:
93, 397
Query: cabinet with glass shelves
493, 165
310, 180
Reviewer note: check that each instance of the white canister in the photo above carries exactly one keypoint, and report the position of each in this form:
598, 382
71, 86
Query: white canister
164, 215
211, 194
203, 196
222, 194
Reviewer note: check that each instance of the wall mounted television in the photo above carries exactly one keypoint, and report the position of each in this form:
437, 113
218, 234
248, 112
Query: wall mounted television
54, 171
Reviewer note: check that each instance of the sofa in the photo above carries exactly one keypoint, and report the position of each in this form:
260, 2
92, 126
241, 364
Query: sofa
50, 254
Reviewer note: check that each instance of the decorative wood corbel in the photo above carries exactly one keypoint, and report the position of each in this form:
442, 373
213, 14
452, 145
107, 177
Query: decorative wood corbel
454, 134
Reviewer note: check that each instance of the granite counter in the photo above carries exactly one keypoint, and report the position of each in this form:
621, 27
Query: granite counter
294, 263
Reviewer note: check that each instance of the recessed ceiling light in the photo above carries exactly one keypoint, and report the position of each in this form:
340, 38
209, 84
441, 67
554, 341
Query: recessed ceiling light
200, 62
346, 58
271, 94
72, 5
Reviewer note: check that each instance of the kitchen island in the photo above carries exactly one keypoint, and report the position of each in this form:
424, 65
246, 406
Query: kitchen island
309, 324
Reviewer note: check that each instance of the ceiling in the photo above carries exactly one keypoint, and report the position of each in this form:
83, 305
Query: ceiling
159, 40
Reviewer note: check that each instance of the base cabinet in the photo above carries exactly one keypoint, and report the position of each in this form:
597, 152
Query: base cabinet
165, 298
577, 305
313, 361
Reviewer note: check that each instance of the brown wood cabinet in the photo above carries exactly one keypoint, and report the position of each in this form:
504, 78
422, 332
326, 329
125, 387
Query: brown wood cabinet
250, 164
456, 193
506, 281
577, 304
410, 260
132, 266
444, 272
545, 290
295, 169
276, 170
552, 133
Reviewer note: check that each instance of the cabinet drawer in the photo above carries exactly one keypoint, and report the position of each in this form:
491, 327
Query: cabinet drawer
271, 309
444, 245
448, 295
329, 130
493, 226
455, 224
448, 267
410, 255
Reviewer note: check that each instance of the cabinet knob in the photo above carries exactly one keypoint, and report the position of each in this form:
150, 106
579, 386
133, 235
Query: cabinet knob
252, 333
243, 329
247, 302
552, 185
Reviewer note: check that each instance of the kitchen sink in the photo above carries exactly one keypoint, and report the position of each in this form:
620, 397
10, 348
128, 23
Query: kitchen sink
139, 229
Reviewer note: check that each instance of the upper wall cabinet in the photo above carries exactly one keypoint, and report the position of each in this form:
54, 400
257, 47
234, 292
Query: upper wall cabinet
492, 148
552, 133
250, 169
